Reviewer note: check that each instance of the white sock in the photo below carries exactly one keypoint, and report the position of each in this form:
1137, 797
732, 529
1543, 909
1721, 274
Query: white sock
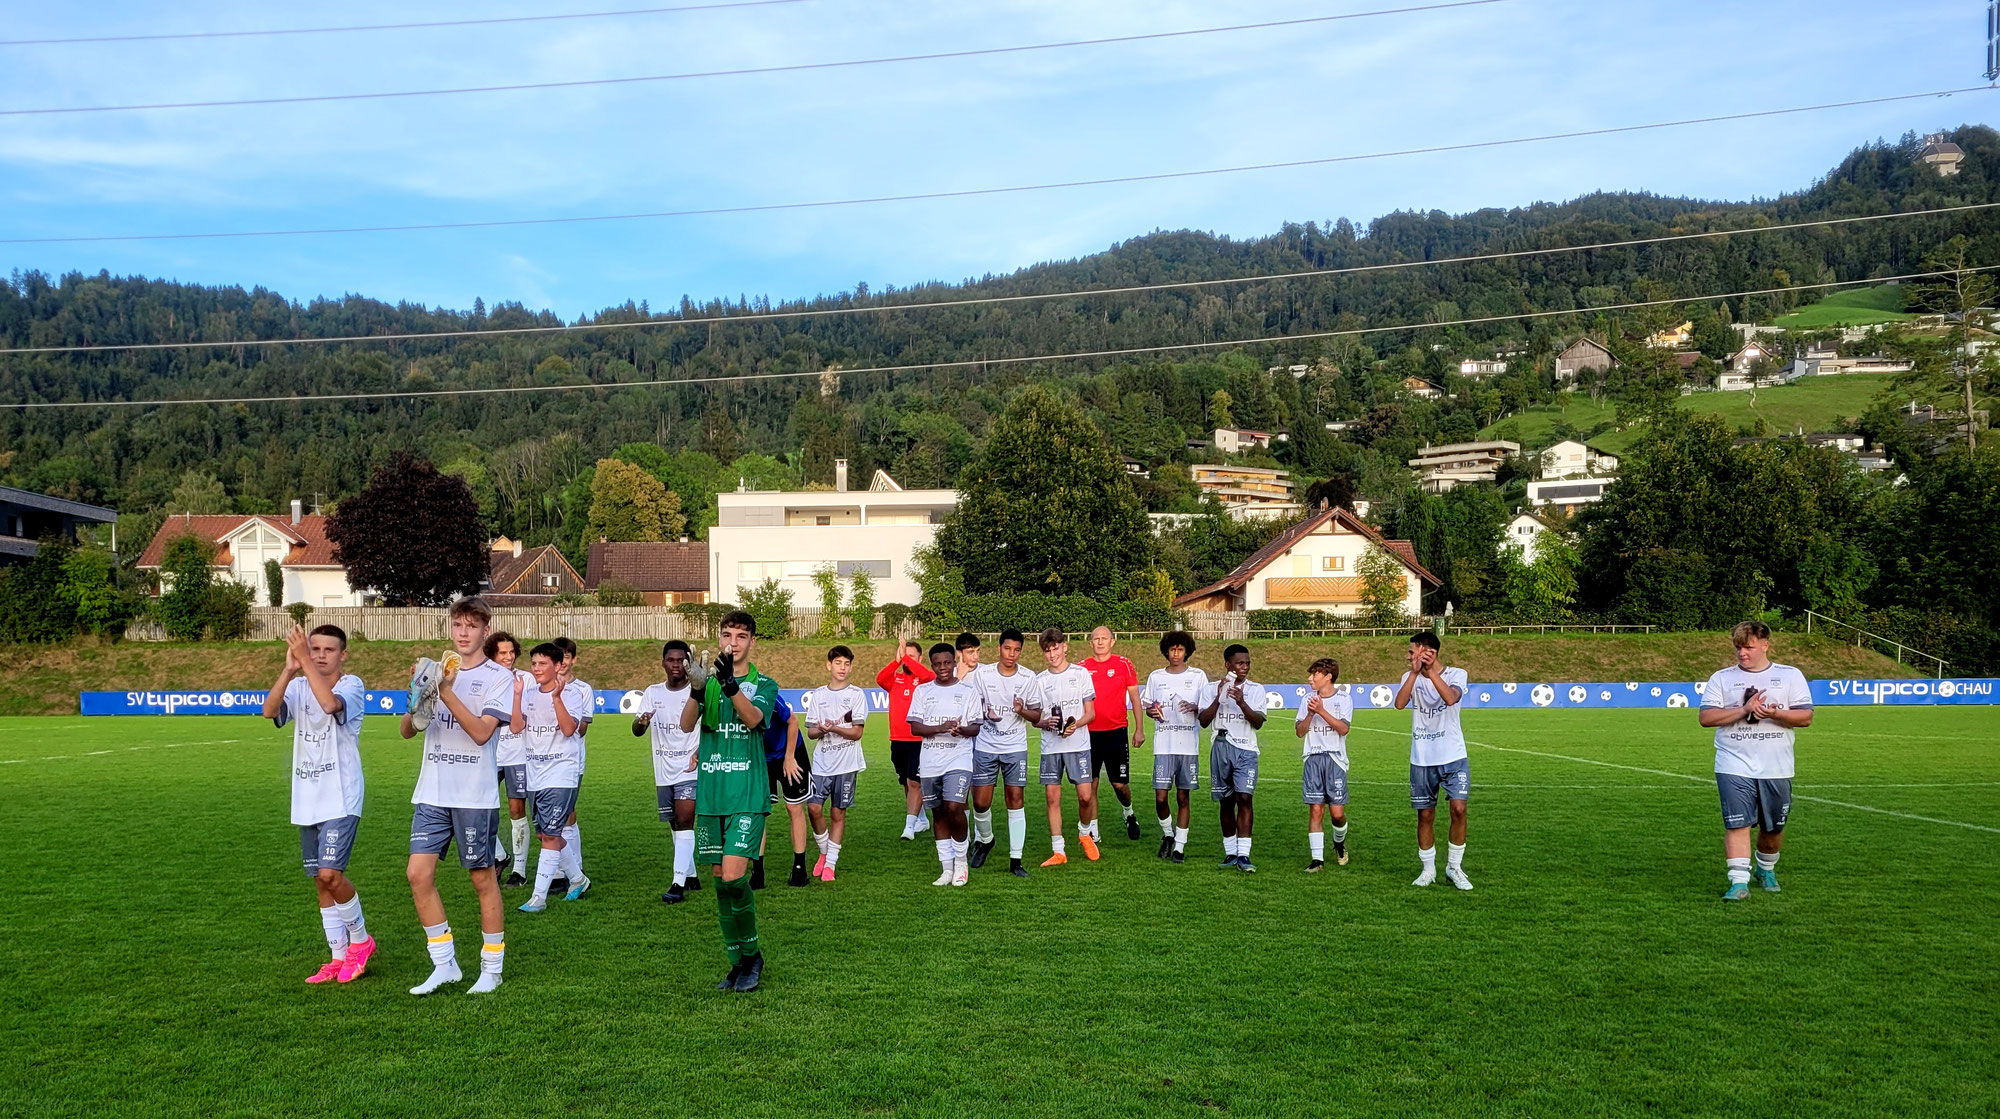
520, 830
573, 849
1229, 845
350, 915
438, 937
1767, 863
1055, 841
1317, 841
832, 854
958, 848
1128, 811
820, 840
1429, 857
1180, 839
909, 822
982, 826
1167, 826
945, 852
1094, 833
545, 872
1017, 832
683, 855
493, 953
572, 865
335, 929
1454, 854
1243, 845
1739, 871
1340, 833
1083, 829
923, 817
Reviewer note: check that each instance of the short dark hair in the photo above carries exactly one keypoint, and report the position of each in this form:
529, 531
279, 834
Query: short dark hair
472, 607
676, 643
967, 641
1325, 664
1014, 635
1175, 637
738, 619
942, 647
332, 631
494, 639
1054, 636
837, 652
1229, 654
1427, 639
547, 649
566, 645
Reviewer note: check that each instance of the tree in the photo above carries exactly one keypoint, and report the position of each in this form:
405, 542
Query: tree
1944, 369
771, 605
1047, 507
274, 582
1542, 591
1219, 412
413, 535
198, 492
34, 601
185, 573
861, 603
827, 582
90, 584
1384, 588
629, 503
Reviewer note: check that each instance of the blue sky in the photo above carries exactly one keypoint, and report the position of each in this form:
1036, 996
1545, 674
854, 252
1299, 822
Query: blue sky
1517, 68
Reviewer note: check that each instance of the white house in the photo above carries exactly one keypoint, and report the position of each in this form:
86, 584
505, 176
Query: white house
787, 535
1479, 367
243, 543
1571, 459
1524, 532
1231, 440
1312, 566
1567, 494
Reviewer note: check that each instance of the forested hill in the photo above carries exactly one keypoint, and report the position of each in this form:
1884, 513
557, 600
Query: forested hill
524, 449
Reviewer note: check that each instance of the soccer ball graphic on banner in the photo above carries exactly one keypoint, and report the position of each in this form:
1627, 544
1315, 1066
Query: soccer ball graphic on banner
1542, 695
1381, 696
1578, 693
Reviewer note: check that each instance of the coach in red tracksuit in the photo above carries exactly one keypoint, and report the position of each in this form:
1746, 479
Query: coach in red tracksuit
1117, 690
900, 679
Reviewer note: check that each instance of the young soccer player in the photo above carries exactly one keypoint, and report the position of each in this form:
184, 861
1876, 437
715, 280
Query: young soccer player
900, 679
583, 698
836, 718
946, 712
1173, 700
546, 718
325, 704
732, 794
1067, 699
502, 649
1437, 755
1234, 705
1323, 721
967, 645
1757, 707
673, 760
457, 797
1112, 740
789, 770
1010, 701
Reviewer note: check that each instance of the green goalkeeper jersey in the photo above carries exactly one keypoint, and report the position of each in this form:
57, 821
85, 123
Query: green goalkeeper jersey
732, 779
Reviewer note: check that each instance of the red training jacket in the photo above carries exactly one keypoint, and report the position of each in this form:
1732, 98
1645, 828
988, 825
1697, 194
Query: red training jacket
901, 685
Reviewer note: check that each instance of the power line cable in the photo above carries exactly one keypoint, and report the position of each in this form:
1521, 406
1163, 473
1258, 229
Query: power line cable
799, 67
975, 192
392, 26
1179, 347
989, 300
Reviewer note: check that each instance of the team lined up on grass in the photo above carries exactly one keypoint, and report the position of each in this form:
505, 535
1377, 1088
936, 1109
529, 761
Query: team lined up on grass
726, 746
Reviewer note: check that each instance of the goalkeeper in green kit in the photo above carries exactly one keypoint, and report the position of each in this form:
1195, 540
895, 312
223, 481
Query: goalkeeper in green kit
732, 795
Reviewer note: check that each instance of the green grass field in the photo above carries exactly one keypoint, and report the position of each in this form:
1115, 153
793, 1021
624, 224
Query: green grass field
1814, 403
156, 930
1865, 307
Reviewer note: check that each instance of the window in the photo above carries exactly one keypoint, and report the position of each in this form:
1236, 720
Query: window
1333, 563
550, 580
754, 572
822, 520
876, 569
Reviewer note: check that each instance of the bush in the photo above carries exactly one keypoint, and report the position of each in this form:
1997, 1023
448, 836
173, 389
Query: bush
771, 605
573, 599
90, 583
299, 611
185, 576
707, 615
894, 614
274, 582
611, 592
34, 603
1294, 618
861, 604
828, 585
225, 613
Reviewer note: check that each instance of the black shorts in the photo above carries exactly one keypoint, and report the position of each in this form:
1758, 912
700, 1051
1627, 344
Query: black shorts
1111, 750
794, 792
904, 755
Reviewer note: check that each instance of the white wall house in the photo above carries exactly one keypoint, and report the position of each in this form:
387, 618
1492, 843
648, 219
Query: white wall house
1312, 566
1571, 459
243, 543
1524, 532
787, 535
1566, 494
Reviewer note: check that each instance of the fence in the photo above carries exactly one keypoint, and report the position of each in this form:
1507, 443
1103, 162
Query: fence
530, 623
1898, 648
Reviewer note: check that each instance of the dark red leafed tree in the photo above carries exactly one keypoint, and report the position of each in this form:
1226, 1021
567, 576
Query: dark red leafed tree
412, 536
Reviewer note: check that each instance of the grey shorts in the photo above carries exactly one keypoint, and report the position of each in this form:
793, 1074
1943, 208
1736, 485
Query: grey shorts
552, 809
1325, 780
1232, 771
949, 787
1075, 765
1754, 802
1454, 779
432, 830
989, 770
1175, 771
683, 790
326, 845
515, 778
836, 789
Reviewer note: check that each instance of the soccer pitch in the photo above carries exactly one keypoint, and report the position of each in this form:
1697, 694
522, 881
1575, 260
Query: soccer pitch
156, 931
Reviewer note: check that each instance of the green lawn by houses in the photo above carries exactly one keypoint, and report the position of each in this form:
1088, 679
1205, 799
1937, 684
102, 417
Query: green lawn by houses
1814, 404
1865, 307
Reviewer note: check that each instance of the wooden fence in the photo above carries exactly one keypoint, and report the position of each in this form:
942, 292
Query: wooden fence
529, 623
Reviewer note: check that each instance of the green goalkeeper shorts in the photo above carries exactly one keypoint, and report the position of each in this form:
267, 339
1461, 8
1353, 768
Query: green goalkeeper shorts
741, 833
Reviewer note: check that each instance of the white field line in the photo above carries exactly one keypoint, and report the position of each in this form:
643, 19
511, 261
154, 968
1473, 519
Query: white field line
101, 753
1707, 780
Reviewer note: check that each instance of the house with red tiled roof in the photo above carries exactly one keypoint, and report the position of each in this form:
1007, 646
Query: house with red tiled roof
1312, 565
664, 572
312, 573
517, 575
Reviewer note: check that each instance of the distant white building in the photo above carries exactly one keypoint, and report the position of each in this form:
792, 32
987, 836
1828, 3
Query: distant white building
308, 571
1313, 565
1571, 459
787, 535
1524, 532
1235, 440
1475, 367
1565, 495
1452, 464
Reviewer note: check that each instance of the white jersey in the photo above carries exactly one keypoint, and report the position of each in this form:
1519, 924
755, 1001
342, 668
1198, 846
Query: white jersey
1435, 736
1758, 749
846, 706
1064, 693
507, 748
934, 704
554, 760
1178, 730
1230, 722
458, 772
1002, 730
673, 748
1321, 738
583, 704
326, 750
